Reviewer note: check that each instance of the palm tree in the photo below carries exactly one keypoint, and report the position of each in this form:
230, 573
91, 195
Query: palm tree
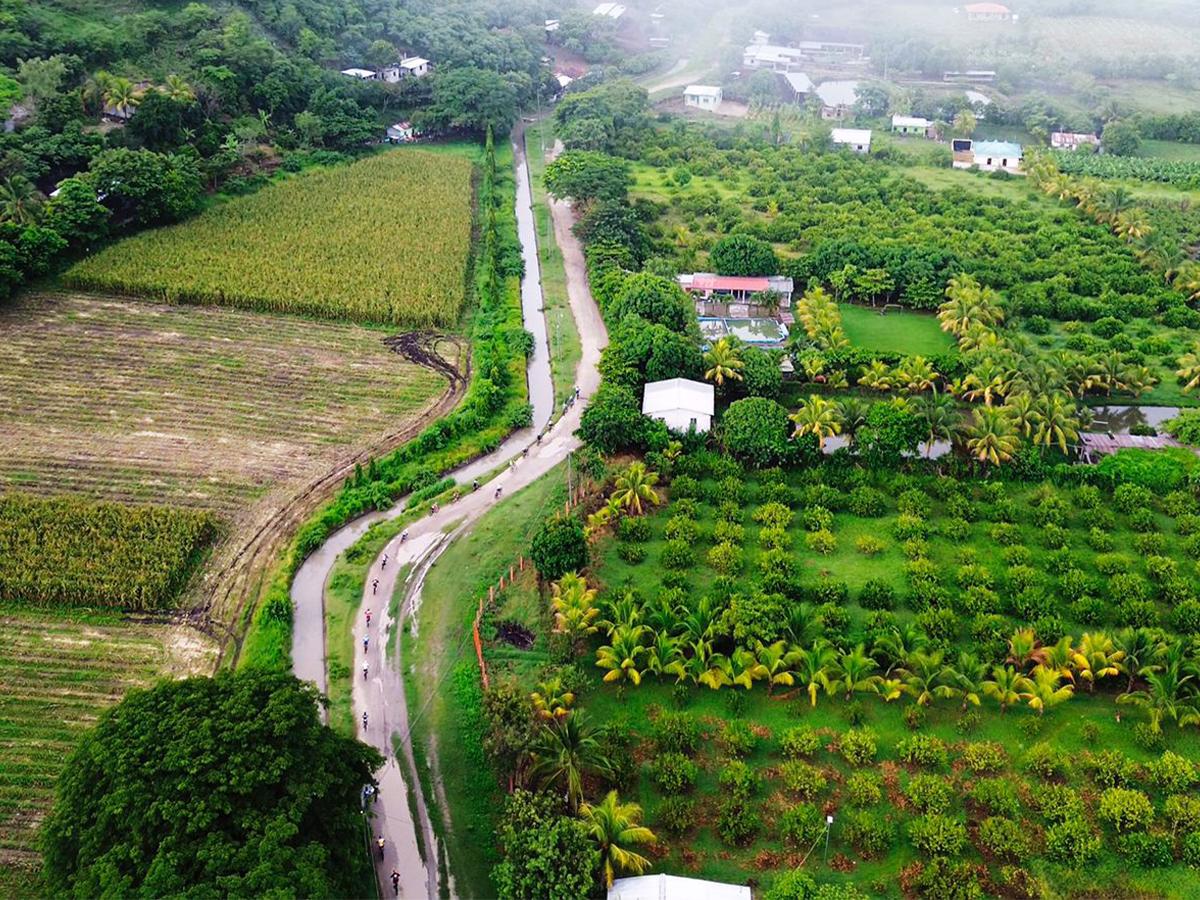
1096, 657
969, 304
622, 654
1045, 689
663, 654
853, 413
966, 678
877, 376
941, 418
1141, 650
987, 381
1024, 649
564, 753
777, 660
1186, 280
745, 669
550, 700
1169, 694
616, 828
20, 201
925, 677
635, 488
1114, 201
1007, 686
1189, 368
813, 667
723, 363
1060, 658
991, 437
574, 608
818, 416
1023, 413
1057, 422
121, 96
916, 374
854, 673
178, 89
1132, 225
897, 645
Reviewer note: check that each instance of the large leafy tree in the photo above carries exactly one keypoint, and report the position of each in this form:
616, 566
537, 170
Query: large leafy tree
546, 854
658, 300
559, 547
470, 99
755, 430
613, 419
584, 175
742, 254
210, 786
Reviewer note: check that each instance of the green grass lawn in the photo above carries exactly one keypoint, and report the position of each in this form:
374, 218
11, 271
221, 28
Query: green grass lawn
899, 331
443, 678
1172, 150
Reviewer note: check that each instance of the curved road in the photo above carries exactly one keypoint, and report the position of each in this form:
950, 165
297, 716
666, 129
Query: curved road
410, 846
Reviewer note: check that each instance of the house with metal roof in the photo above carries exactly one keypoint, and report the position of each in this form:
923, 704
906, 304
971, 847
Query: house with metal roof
837, 98
799, 84
988, 156
988, 12
911, 125
673, 887
702, 96
684, 405
706, 289
857, 139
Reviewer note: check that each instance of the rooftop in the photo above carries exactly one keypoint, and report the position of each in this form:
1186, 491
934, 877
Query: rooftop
998, 9
910, 122
358, 73
612, 10
851, 135
414, 62
997, 148
678, 394
702, 90
838, 93
799, 82
673, 887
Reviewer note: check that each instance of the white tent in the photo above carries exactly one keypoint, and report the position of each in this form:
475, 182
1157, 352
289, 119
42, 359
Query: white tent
681, 403
672, 887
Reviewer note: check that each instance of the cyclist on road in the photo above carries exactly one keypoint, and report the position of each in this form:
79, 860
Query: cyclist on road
383, 565
395, 882
379, 842
364, 719
368, 618
364, 671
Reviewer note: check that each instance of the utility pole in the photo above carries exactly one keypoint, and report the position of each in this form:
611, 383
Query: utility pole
828, 826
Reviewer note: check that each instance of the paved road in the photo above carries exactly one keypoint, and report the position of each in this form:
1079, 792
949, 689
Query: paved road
380, 693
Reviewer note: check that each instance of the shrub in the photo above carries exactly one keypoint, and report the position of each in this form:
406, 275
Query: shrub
867, 502
997, 796
674, 773
559, 547
1004, 838
799, 741
1047, 762
802, 779
1110, 768
1017, 555
738, 781
676, 815
1172, 773
937, 835
685, 508
869, 545
1071, 841
1005, 534
907, 527
858, 746
1149, 544
684, 487
725, 559
1129, 498
802, 825
816, 518
677, 732
1182, 811
737, 822
682, 529
1147, 851
864, 788
1136, 614
923, 750
635, 529
914, 502
773, 515
1185, 618
1100, 540
1125, 809
631, 553
774, 539
877, 594
728, 511
868, 833
984, 757
1191, 850
737, 738
1126, 586
678, 556
822, 542
929, 793
726, 532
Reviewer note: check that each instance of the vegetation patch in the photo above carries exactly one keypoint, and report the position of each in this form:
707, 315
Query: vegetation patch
384, 240
896, 331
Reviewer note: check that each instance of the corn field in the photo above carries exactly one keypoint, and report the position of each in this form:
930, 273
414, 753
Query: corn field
385, 240
63, 551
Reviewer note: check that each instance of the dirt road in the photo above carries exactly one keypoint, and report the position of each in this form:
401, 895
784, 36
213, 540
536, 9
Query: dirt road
410, 845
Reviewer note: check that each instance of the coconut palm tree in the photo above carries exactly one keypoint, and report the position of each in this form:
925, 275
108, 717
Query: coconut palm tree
121, 96
1170, 694
622, 655
777, 661
745, 669
991, 437
1007, 686
1024, 649
178, 89
853, 412
916, 374
698, 623
1023, 413
1097, 657
1141, 650
1046, 690
877, 376
574, 608
663, 654
818, 416
1132, 225
635, 488
1057, 422
894, 647
616, 828
926, 677
1189, 368
1186, 280
940, 417
855, 673
723, 363
1060, 658
566, 751
966, 677
987, 381
550, 699
813, 667
20, 201
1112, 202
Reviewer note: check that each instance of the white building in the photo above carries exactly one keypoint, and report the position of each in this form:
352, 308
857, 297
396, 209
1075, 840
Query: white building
401, 133
702, 96
672, 887
857, 139
800, 84
1070, 140
837, 98
362, 74
988, 156
609, 10
563, 79
414, 67
683, 405
911, 125
772, 57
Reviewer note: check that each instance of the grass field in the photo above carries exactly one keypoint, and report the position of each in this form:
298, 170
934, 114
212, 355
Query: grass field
899, 331
445, 676
560, 323
57, 674
384, 240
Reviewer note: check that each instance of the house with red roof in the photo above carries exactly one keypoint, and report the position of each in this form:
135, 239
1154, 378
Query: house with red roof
735, 294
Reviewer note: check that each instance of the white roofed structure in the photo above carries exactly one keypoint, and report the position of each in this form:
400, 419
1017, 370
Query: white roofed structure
673, 887
799, 82
364, 74
610, 10
910, 122
857, 139
682, 404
